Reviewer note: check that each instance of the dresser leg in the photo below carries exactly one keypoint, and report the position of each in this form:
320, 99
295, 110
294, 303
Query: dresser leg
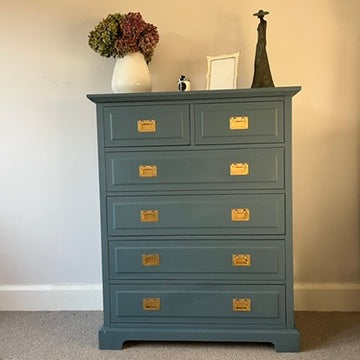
288, 343
110, 340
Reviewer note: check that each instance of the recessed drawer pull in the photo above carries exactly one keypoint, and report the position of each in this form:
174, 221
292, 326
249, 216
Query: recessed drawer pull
151, 260
148, 171
151, 304
241, 304
239, 169
239, 122
240, 214
241, 260
149, 215
146, 126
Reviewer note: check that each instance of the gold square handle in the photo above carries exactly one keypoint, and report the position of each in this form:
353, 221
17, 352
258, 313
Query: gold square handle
148, 171
240, 214
151, 260
149, 215
241, 259
151, 304
241, 305
146, 126
239, 122
239, 169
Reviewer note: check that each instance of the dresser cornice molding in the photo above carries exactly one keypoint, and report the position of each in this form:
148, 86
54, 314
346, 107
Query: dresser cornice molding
196, 95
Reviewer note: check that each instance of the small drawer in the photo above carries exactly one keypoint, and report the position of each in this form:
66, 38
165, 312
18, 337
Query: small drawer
230, 304
146, 125
259, 168
217, 259
233, 123
196, 214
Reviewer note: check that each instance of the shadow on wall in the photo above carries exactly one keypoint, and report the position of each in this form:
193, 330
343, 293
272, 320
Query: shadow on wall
97, 70
327, 217
174, 56
178, 54
349, 44
346, 90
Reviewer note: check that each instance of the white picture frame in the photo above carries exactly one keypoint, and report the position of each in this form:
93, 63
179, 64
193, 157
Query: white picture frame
222, 71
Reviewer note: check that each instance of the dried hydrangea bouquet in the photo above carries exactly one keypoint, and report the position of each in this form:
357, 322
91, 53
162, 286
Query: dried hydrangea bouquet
131, 41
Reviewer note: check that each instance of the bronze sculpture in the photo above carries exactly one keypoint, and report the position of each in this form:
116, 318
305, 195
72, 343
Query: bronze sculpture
262, 74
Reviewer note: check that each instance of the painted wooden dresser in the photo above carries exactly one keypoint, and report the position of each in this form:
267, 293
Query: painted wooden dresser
196, 216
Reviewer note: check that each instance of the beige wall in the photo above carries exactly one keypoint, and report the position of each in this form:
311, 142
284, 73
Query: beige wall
48, 183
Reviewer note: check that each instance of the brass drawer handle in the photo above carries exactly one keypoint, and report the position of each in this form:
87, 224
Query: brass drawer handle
239, 122
149, 215
151, 260
146, 126
148, 171
241, 304
241, 260
240, 214
239, 169
151, 304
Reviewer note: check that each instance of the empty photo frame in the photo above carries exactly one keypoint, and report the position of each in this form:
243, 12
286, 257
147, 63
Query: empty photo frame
222, 71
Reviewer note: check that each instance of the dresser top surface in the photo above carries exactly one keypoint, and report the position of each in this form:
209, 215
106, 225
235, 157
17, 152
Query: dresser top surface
196, 95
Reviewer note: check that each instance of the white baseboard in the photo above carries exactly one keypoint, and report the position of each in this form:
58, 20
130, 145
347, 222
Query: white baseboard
50, 297
308, 297
327, 296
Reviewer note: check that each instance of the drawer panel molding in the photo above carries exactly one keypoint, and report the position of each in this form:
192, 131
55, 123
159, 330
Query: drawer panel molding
196, 214
260, 168
216, 259
146, 125
235, 304
260, 122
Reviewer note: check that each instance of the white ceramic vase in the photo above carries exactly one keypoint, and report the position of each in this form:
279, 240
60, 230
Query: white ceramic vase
131, 74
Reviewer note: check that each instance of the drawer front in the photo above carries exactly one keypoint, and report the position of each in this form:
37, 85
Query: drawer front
231, 304
218, 259
196, 214
146, 125
196, 170
231, 123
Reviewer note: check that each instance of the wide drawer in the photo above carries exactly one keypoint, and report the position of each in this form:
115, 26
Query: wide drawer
146, 125
229, 123
230, 304
218, 259
196, 214
259, 168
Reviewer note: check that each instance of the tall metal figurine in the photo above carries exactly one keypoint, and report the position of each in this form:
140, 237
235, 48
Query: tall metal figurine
262, 74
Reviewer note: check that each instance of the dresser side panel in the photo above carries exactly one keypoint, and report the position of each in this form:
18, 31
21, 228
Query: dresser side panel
103, 213
289, 213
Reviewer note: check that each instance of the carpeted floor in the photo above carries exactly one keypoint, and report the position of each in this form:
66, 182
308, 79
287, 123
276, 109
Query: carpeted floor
73, 335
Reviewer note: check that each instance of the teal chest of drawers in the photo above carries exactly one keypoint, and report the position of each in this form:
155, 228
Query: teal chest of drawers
196, 216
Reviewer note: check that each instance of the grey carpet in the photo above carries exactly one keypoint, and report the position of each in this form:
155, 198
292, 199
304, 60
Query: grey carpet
73, 335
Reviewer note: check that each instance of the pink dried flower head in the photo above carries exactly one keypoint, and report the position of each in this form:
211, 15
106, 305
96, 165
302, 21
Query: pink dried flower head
137, 35
132, 25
